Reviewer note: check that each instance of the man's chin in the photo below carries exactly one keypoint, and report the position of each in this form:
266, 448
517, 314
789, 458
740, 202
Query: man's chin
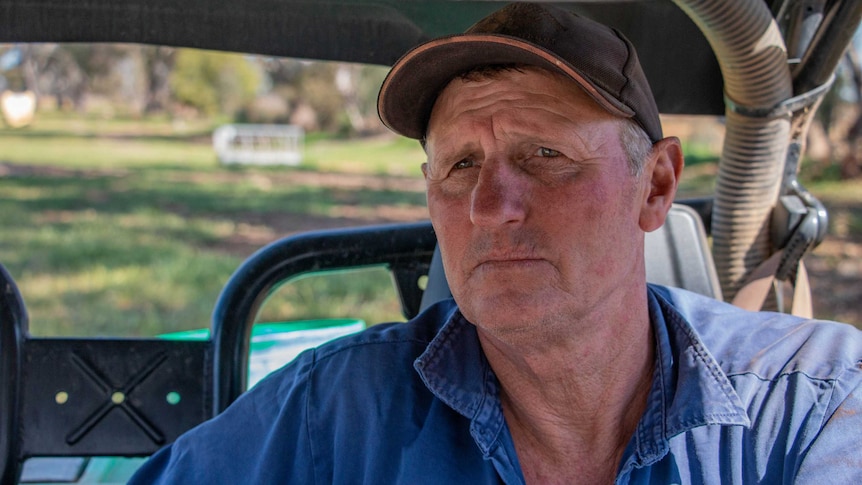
508, 311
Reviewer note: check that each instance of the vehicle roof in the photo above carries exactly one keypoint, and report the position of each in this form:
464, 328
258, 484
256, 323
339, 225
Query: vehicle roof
676, 57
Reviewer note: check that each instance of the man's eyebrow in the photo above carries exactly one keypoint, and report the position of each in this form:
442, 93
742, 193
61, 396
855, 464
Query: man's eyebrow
446, 154
442, 153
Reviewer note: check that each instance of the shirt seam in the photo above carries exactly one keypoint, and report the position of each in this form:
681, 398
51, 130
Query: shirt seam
308, 408
488, 375
826, 380
643, 443
803, 455
826, 414
332, 352
661, 360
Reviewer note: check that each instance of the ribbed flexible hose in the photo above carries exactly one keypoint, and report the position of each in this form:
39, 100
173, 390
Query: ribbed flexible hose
753, 61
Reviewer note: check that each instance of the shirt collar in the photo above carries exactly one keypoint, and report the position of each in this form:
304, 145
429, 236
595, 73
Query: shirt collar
689, 388
452, 366
455, 370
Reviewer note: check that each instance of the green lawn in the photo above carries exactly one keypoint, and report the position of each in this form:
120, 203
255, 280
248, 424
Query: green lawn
134, 231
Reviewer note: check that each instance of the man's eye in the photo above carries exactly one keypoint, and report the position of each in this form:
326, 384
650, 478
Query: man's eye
547, 152
463, 164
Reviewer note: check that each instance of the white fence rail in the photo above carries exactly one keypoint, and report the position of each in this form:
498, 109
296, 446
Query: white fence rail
259, 144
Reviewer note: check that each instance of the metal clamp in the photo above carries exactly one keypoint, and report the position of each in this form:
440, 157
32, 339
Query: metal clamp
805, 222
784, 108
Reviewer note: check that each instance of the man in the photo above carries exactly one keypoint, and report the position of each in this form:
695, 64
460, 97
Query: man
546, 166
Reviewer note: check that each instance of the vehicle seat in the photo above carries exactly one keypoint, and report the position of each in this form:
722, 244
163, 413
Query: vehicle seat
677, 254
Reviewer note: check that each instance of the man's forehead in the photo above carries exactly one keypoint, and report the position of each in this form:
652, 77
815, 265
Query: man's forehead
512, 89
513, 76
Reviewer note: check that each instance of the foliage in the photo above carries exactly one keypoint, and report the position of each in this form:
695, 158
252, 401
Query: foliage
370, 80
317, 88
128, 79
214, 82
837, 125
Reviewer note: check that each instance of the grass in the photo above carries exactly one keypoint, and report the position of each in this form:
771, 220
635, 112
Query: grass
87, 272
382, 156
347, 294
131, 232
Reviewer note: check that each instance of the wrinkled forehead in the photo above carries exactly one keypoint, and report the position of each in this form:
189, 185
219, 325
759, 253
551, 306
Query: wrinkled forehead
533, 92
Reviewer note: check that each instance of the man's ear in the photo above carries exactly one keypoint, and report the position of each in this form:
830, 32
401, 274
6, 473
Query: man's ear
662, 171
425, 170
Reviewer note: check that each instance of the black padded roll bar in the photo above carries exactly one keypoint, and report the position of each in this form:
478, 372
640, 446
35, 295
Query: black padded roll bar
405, 249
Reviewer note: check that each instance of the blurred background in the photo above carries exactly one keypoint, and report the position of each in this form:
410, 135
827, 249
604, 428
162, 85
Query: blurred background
119, 218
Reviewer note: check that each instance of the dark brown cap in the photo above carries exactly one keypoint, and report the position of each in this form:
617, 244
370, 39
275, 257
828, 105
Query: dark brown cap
597, 57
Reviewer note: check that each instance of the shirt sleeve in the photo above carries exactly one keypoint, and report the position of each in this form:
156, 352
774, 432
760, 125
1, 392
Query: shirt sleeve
835, 455
262, 438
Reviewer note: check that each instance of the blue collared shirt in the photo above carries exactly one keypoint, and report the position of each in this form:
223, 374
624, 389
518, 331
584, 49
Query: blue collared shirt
737, 397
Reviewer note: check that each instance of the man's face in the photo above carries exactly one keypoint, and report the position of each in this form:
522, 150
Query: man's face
533, 201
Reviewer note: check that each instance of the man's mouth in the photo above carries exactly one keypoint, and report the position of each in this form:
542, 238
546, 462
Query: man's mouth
509, 262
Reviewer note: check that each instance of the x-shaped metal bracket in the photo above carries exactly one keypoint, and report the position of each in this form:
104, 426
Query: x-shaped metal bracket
116, 397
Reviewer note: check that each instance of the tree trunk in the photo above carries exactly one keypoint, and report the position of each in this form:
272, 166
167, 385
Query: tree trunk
851, 165
160, 63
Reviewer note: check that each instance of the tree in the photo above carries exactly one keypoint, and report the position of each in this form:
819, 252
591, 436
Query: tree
54, 70
358, 85
835, 136
851, 165
160, 62
213, 82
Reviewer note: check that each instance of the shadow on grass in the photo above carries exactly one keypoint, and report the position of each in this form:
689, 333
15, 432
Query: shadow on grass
64, 224
143, 189
198, 137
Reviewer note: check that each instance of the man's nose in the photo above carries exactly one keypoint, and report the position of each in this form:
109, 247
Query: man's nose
499, 196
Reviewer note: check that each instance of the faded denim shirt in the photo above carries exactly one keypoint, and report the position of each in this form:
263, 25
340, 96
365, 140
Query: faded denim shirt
737, 397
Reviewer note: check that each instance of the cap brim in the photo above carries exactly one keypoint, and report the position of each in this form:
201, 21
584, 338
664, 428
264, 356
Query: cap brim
412, 86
